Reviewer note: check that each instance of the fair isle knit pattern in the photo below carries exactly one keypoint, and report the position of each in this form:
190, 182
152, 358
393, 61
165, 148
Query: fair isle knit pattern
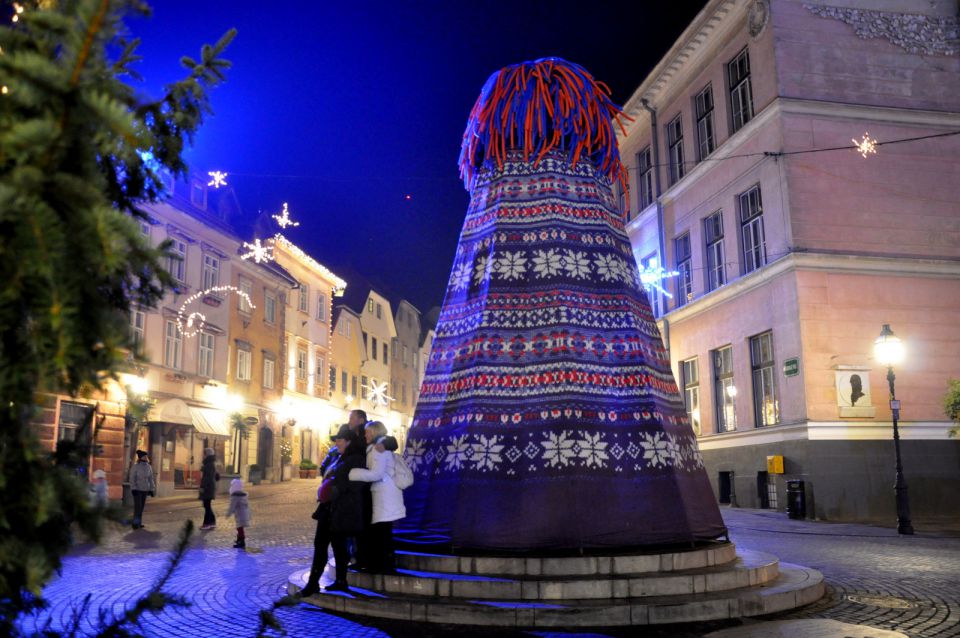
548, 376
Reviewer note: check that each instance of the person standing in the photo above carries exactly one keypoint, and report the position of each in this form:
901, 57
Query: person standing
208, 487
240, 509
387, 502
356, 421
142, 484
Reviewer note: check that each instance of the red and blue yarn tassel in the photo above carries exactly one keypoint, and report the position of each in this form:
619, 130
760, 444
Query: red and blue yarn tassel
538, 107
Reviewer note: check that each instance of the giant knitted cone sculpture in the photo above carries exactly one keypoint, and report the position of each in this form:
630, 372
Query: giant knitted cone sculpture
548, 417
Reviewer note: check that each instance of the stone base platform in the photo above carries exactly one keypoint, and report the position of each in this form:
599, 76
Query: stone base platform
708, 583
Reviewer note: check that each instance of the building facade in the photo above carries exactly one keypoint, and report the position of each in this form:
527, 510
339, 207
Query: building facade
790, 257
405, 362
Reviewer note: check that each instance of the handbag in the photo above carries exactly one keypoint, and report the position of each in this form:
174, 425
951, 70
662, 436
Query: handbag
325, 494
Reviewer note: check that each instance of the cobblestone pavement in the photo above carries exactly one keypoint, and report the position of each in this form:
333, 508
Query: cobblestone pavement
909, 584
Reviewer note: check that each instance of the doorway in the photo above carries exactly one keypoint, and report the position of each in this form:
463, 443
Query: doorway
726, 479
265, 452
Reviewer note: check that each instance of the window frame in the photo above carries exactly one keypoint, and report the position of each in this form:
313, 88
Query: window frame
269, 307
177, 267
137, 332
764, 370
244, 364
676, 168
211, 271
246, 286
739, 88
684, 261
269, 380
645, 177
303, 302
726, 421
205, 355
715, 252
302, 364
753, 243
321, 307
690, 383
654, 296
703, 110
172, 336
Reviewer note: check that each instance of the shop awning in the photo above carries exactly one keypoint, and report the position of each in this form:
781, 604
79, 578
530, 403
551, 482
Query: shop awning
208, 421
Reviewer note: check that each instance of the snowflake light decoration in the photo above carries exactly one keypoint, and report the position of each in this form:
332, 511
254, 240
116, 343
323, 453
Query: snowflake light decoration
193, 323
283, 219
219, 179
257, 251
865, 146
377, 394
652, 277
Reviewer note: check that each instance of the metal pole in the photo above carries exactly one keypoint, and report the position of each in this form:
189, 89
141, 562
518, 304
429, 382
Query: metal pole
900, 486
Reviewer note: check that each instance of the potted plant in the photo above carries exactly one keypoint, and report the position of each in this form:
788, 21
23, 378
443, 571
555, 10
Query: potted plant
256, 474
308, 469
286, 456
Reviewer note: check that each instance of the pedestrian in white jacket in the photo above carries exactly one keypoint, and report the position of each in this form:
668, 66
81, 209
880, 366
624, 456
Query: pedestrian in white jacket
387, 503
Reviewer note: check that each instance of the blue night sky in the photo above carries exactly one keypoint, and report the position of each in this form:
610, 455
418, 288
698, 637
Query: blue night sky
343, 109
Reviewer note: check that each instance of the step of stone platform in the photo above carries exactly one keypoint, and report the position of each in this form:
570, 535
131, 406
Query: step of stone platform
717, 553
795, 586
749, 568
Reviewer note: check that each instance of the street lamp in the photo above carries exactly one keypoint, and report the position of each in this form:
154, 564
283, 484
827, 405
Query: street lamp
888, 350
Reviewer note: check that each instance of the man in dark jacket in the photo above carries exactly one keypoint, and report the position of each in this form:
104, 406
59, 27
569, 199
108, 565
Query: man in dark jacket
208, 487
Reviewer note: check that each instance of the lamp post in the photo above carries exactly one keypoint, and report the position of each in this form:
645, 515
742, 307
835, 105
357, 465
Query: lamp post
888, 350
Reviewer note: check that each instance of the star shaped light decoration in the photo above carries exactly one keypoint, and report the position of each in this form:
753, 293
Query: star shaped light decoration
377, 394
865, 146
652, 277
257, 251
219, 179
283, 219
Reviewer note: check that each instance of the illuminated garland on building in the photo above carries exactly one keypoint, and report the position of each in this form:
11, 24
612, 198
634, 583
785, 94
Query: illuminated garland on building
866, 146
652, 277
283, 219
339, 285
377, 394
219, 179
193, 323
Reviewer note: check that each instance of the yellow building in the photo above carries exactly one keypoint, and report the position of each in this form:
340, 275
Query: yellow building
348, 356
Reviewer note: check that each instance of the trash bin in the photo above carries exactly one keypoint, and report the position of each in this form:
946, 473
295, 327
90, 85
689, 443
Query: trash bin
796, 500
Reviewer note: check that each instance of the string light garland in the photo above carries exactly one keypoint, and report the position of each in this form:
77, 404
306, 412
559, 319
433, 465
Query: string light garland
339, 285
865, 146
192, 324
283, 219
219, 179
377, 394
257, 251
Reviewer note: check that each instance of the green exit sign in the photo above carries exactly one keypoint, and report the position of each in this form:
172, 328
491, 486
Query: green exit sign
791, 367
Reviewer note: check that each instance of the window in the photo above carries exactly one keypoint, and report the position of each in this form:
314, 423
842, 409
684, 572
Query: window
349, 327
247, 297
365, 385
145, 229
321, 307
741, 95
269, 307
724, 392
766, 408
137, 322
622, 201
373, 349
177, 260
379, 311
333, 379
751, 230
645, 171
406, 354
301, 364
690, 378
343, 381
385, 360
703, 105
370, 306
675, 150
172, 346
653, 295
713, 231
353, 385
244, 364
318, 375
74, 416
403, 393
211, 271
393, 349
340, 326
205, 360
269, 372
198, 195
681, 246
304, 298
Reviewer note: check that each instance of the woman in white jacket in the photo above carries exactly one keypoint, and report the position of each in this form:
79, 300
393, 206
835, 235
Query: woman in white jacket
387, 500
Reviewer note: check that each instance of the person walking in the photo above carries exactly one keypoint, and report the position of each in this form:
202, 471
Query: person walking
387, 500
240, 509
142, 484
208, 487
339, 513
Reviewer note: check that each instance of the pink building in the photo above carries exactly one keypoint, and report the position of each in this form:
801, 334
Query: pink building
790, 257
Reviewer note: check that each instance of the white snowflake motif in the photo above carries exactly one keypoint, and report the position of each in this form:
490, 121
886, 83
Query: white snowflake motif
656, 450
481, 270
486, 453
593, 451
547, 263
607, 267
559, 449
414, 454
511, 265
458, 452
460, 279
576, 264
673, 450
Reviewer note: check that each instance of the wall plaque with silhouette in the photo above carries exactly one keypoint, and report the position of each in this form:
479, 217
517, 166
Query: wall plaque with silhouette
853, 392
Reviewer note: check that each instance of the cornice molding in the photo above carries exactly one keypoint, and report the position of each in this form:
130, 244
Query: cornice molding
827, 431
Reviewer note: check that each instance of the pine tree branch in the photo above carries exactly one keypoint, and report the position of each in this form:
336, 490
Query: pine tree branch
92, 31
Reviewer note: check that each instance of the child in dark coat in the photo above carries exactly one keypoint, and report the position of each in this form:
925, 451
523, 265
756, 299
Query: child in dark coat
240, 509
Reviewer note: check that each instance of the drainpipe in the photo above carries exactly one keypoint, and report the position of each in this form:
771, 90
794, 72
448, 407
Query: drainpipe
661, 243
